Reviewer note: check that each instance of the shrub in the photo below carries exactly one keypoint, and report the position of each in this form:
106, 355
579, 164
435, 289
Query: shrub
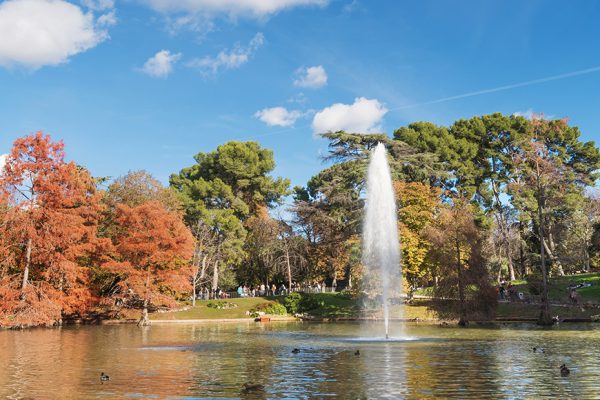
270, 308
310, 302
292, 302
221, 305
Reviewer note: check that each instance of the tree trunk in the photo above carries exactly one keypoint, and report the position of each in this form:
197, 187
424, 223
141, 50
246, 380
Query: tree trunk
550, 250
27, 264
144, 320
461, 290
544, 318
289, 268
215, 278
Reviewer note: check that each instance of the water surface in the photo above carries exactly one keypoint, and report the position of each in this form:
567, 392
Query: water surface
215, 360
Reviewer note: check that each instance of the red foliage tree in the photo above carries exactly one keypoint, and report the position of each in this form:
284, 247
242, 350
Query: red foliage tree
153, 251
52, 209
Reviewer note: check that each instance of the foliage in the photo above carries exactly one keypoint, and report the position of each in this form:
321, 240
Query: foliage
221, 305
291, 302
270, 308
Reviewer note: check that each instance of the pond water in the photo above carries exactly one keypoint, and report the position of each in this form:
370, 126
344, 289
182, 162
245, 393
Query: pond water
185, 361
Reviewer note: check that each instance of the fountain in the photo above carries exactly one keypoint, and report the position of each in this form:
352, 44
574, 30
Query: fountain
381, 250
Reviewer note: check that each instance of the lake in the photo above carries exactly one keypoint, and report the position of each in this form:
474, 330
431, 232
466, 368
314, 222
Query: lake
185, 361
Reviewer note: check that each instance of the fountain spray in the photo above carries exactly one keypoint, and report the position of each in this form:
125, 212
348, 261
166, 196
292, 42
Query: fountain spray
381, 248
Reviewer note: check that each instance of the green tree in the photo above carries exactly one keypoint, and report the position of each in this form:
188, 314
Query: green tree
222, 190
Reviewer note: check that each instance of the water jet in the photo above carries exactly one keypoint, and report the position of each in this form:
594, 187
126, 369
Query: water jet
381, 247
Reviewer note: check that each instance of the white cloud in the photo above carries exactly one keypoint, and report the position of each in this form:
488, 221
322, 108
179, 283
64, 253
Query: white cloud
530, 114
98, 5
161, 64
362, 116
311, 77
108, 19
228, 59
278, 116
234, 8
34, 33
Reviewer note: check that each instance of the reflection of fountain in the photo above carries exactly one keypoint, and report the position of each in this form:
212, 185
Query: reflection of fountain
381, 250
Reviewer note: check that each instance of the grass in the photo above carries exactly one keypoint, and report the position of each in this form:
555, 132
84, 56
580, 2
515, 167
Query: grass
522, 310
558, 287
202, 311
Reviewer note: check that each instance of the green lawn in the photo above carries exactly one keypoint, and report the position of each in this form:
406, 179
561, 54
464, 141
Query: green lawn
558, 287
201, 311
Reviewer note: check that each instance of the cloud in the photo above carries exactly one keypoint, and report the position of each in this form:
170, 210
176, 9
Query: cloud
311, 77
228, 59
108, 19
98, 5
232, 8
161, 64
34, 33
278, 116
530, 114
362, 116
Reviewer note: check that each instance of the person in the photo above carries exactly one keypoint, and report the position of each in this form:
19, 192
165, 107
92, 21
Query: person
318, 287
240, 291
502, 292
282, 289
273, 289
334, 285
262, 289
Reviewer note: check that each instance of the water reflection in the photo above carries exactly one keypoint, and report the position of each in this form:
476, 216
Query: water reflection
214, 361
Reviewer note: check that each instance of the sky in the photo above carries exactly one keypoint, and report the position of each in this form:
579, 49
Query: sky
147, 84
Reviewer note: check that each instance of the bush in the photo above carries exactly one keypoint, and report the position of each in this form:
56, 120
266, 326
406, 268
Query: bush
310, 302
291, 302
221, 305
270, 308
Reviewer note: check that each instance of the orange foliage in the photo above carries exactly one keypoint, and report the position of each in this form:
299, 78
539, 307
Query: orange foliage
154, 248
51, 216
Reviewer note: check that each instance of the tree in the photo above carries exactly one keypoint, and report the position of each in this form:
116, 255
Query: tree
139, 187
153, 252
52, 213
552, 167
456, 250
417, 207
223, 190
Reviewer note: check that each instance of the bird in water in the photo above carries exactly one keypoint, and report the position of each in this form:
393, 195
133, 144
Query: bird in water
251, 387
296, 351
538, 350
104, 378
357, 353
564, 371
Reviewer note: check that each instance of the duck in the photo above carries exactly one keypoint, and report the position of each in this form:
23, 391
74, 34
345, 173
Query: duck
296, 351
250, 387
104, 378
538, 350
357, 353
564, 371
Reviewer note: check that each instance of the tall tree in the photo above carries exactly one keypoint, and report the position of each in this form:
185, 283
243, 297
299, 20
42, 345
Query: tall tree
53, 213
153, 251
223, 190
456, 250
551, 166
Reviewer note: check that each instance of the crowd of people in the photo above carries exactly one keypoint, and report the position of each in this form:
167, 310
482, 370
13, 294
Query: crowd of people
264, 290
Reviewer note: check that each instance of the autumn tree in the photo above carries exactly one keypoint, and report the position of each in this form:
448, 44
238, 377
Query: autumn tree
153, 249
417, 207
456, 250
52, 212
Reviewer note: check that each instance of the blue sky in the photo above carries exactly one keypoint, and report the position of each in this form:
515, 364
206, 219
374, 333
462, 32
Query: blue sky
146, 84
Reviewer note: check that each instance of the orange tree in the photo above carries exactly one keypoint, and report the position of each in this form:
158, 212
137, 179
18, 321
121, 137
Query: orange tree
51, 213
153, 248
